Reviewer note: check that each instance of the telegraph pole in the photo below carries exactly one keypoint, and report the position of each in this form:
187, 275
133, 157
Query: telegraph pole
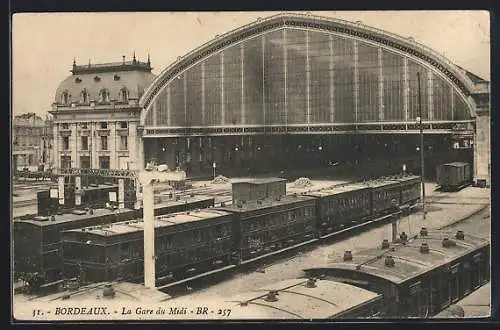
420, 120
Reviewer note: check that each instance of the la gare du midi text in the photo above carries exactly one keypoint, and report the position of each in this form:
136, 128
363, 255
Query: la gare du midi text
137, 311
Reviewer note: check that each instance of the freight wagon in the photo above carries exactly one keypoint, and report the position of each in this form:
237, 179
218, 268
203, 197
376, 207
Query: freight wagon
453, 176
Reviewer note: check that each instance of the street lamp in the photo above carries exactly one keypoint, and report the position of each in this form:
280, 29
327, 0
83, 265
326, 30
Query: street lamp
419, 119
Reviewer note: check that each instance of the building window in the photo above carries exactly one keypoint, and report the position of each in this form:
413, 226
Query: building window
65, 161
85, 96
85, 162
123, 124
65, 126
85, 143
65, 142
124, 95
104, 96
65, 98
104, 162
104, 143
104, 125
123, 142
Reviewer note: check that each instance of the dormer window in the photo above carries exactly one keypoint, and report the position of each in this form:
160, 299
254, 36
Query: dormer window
104, 96
84, 96
116, 77
123, 95
78, 80
65, 98
104, 125
65, 126
97, 78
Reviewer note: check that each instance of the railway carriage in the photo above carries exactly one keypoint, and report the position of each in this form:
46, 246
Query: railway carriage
411, 187
384, 194
418, 278
186, 244
340, 207
37, 240
263, 226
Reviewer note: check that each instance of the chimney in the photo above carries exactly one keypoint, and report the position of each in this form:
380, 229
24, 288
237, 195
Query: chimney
347, 255
271, 296
424, 248
460, 235
423, 231
385, 244
123, 59
311, 283
403, 237
389, 261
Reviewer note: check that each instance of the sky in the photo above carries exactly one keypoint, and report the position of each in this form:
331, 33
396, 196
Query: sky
44, 45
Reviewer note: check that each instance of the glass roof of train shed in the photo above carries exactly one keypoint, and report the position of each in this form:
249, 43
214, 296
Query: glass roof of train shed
266, 203
75, 215
296, 299
409, 260
132, 226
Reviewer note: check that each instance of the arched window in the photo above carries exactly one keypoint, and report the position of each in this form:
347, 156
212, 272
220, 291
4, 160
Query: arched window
123, 95
84, 96
104, 95
65, 98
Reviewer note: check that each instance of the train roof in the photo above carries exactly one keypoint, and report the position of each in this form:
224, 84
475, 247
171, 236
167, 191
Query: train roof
328, 191
456, 164
261, 181
409, 261
98, 187
266, 203
295, 300
75, 215
124, 291
131, 226
167, 201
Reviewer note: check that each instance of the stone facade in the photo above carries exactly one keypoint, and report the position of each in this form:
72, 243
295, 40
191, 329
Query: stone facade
96, 115
32, 140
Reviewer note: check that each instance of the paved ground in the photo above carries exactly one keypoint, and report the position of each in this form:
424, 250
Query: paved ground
438, 216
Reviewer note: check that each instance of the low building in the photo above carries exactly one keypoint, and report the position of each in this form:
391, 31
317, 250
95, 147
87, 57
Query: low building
96, 114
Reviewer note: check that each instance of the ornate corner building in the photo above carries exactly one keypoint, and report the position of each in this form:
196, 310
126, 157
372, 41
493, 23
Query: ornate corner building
96, 115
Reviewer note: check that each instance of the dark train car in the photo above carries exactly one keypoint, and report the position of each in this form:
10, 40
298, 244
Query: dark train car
267, 225
166, 204
258, 189
411, 187
340, 207
37, 240
98, 194
419, 278
296, 299
95, 196
186, 243
453, 176
385, 194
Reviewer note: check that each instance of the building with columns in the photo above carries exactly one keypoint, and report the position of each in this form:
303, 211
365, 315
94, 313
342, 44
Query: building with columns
96, 115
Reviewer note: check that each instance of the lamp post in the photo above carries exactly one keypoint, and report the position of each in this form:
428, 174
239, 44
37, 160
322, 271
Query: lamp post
419, 119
